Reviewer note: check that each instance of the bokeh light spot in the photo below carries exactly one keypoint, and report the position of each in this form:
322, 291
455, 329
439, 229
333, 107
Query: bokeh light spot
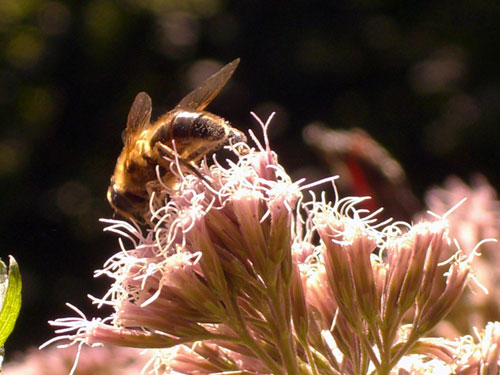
442, 72
37, 107
54, 18
204, 8
73, 198
12, 156
24, 49
103, 21
179, 33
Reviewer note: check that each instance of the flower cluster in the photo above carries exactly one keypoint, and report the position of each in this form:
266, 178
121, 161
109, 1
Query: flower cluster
476, 219
239, 274
109, 360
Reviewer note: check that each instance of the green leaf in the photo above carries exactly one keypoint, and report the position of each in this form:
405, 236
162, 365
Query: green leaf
11, 303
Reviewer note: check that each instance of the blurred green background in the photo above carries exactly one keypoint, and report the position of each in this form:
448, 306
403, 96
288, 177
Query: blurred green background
423, 78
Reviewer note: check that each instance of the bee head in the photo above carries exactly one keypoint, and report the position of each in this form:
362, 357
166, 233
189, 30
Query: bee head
127, 204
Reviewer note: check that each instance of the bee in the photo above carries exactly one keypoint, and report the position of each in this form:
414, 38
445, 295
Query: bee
187, 133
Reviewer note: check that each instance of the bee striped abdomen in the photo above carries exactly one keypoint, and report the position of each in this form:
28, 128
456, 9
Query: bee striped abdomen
190, 126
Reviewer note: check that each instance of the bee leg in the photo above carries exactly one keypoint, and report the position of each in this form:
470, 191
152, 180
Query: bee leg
171, 154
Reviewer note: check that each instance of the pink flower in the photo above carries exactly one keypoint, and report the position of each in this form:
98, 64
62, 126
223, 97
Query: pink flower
238, 274
482, 357
476, 219
110, 360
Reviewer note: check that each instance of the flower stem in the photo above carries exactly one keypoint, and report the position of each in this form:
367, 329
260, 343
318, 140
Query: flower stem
239, 324
281, 305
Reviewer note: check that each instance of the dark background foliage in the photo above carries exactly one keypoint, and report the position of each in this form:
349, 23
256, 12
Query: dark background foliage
421, 77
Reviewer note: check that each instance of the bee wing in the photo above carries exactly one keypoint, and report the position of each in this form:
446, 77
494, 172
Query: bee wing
138, 116
199, 98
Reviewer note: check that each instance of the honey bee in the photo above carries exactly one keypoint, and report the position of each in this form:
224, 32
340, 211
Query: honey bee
187, 133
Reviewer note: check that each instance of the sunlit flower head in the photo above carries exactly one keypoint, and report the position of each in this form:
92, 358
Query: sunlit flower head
476, 219
238, 273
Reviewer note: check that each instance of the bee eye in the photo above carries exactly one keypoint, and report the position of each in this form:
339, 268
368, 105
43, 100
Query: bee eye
125, 202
